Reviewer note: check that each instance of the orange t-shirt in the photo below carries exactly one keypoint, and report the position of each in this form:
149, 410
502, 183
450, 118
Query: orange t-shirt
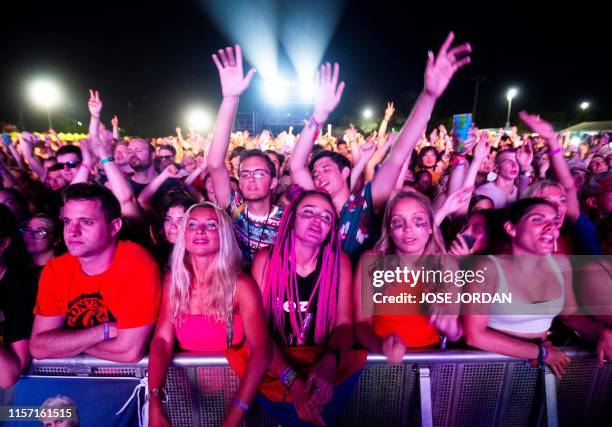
128, 293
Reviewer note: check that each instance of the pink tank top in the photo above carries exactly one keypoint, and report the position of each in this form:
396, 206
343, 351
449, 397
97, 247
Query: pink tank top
203, 333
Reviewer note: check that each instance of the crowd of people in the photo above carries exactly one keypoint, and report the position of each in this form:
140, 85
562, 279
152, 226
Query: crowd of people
254, 245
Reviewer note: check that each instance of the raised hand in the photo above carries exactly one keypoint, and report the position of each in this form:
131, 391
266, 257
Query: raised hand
367, 150
539, 126
115, 121
171, 172
457, 200
389, 111
524, 156
483, 147
327, 91
231, 73
94, 103
441, 68
351, 133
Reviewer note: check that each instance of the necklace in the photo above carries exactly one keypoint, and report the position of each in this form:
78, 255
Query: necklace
263, 231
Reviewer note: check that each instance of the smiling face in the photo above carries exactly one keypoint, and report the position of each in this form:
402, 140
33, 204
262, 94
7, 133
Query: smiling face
202, 232
313, 220
328, 177
429, 159
536, 232
410, 227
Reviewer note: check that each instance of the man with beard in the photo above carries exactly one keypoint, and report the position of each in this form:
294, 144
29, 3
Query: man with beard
141, 160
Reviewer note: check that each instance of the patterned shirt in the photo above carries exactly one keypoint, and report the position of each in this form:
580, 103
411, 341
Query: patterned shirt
253, 232
359, 226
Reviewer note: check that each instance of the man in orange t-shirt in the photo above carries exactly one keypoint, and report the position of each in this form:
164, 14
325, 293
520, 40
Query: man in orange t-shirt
101, 298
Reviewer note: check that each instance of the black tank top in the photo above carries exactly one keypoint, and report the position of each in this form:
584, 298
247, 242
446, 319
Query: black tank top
305, 287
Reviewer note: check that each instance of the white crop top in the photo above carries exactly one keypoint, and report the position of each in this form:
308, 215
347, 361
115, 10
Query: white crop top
504, 316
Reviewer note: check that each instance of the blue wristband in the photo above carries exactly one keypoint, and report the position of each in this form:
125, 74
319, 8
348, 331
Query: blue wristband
106, 331
241, 404
107, 160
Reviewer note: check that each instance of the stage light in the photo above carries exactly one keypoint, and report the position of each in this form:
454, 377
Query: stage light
367, 113
512, 92
584, 105
44, 92
198, 118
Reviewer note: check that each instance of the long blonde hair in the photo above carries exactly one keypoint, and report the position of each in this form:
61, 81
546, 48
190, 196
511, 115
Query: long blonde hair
221, 276
386, 246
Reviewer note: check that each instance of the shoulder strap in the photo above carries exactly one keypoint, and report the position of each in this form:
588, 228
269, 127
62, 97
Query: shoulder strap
502, 285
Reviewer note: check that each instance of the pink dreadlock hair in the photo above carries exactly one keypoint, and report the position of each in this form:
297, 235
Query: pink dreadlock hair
281, 282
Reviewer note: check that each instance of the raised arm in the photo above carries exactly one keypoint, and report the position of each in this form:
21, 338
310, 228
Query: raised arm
233, 84
366, 151
382, 130
557, 160
438, 73
328, 95
115, 123
27, 148
101, 146
145, 196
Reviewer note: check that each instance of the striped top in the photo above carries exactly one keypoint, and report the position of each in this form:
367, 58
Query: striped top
253, 232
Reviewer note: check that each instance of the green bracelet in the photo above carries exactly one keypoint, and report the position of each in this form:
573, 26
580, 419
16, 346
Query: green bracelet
107, 160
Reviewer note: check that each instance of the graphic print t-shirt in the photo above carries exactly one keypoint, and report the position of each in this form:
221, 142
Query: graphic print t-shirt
128, 293
253, 232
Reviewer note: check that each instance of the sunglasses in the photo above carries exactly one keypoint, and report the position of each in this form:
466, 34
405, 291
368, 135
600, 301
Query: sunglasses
60, 166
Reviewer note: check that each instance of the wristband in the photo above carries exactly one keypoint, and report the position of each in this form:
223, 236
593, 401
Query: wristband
107, 160
556, 151
241, 404
106, 331
542, 356
288, 377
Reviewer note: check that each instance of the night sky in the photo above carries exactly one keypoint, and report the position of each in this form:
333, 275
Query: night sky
157, 56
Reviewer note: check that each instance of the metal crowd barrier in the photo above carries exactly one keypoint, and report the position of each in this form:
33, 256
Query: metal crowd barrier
430, 388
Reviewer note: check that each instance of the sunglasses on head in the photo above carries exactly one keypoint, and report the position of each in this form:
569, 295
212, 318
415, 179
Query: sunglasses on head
60, 166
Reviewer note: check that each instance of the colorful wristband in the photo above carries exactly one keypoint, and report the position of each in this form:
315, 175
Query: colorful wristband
107, 160
241, 404
556, 151
106, 331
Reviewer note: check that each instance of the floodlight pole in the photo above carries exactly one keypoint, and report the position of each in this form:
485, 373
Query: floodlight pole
49, 118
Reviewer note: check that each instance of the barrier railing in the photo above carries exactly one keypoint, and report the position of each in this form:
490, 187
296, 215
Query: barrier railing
430, 388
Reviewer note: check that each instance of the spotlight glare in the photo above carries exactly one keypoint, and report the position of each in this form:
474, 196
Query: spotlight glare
367, 113
584, 105
44, 92
198, 119
512, 92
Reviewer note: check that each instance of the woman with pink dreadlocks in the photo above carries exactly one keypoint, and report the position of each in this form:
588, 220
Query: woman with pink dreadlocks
306, 283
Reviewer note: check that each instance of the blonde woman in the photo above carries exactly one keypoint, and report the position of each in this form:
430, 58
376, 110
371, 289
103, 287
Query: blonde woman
409, 236
206, 302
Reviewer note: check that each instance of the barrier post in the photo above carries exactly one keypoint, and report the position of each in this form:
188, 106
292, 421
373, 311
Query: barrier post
425, 394
550, 397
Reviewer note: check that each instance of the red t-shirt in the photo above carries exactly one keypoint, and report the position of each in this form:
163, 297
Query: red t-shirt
128, 293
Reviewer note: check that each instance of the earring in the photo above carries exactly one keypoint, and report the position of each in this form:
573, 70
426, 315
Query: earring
555, 246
